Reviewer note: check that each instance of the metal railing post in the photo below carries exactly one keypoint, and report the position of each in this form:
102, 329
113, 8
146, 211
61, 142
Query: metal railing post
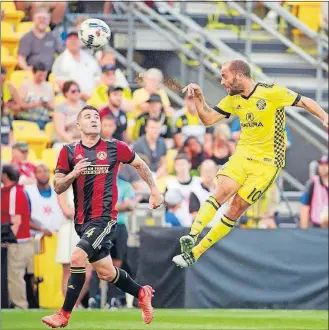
182, 65
201, 66
248, 41
319, 77
131, 43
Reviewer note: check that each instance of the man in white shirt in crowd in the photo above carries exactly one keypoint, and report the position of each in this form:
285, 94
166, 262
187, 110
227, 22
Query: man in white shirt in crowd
185, 183
77, 65
203, 189
46, 214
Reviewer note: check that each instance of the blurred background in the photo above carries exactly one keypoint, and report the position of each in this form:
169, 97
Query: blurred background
278, 258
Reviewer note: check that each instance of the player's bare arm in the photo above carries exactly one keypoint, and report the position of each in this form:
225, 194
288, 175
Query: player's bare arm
314, 108
146, 174
207, 115
62, 181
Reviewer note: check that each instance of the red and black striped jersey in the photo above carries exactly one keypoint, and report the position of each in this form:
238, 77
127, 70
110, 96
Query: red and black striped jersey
95, 191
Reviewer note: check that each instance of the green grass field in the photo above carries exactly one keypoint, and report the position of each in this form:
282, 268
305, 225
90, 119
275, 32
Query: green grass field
168, 319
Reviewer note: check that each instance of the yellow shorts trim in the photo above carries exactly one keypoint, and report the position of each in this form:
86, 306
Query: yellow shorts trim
254, 177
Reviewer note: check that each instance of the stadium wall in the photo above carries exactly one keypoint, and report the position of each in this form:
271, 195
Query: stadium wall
279, 269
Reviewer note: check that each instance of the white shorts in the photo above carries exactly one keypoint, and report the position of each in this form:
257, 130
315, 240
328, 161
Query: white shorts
67, 241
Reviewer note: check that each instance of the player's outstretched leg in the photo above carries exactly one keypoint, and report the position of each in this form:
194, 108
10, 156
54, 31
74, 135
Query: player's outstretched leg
219, 231
121, 279
74, 286
204, 216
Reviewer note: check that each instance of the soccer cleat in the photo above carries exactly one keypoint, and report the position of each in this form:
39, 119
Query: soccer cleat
145, 296
186, 243
57, 320
184, 260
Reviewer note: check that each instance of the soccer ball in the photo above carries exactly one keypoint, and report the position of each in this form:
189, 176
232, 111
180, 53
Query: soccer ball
94, 33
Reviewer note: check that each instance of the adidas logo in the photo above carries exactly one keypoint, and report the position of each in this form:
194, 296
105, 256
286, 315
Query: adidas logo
209, 240
71, 287
79, 156
238, 107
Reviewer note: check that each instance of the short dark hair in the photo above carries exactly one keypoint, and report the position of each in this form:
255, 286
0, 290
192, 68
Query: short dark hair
240, 66
39, 66
108, 117
11, 171
86, 107
67, 85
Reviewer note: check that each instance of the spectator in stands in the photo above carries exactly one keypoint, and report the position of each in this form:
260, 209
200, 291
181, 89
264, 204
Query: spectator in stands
15, 210
37, 97
10, 99
78, 65
152, 84
222, 148
195, 152
153, 148
187, 123
204, 188
99, 97
55, 9
19, 158
108, 127
46, 214
114, 109
65, 115
173, 199
185, 183
108, 58
314, 208
38, 45
155, 111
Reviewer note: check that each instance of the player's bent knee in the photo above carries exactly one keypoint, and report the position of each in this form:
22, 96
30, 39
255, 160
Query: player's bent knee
107, 274
79, 257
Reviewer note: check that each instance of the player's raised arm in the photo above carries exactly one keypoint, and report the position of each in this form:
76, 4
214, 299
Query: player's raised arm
155, 199
314, 108
207, 115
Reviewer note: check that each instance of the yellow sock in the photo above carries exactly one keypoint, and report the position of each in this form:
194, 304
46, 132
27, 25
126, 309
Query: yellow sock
220, 230
206, 213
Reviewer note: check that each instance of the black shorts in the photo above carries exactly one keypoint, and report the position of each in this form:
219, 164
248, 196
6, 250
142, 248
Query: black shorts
96, 238
120, 238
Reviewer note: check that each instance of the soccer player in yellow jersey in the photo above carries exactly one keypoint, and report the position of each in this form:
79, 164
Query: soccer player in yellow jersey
259, 156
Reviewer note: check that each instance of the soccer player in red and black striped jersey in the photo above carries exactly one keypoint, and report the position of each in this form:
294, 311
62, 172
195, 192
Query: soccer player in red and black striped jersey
91, 166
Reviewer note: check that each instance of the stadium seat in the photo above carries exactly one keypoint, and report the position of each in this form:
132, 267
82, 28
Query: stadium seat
7, 61
30, 133
31, 156
24, 27
309, 13
12, 15
9, 38
17, 77
49, 157
6, 154
50, 130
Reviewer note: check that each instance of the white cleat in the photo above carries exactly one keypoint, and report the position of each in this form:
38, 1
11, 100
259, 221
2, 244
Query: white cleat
186, 243
184, 260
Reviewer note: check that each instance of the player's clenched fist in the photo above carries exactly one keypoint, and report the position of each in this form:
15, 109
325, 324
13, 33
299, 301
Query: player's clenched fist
192, 90
156, 199
80, 166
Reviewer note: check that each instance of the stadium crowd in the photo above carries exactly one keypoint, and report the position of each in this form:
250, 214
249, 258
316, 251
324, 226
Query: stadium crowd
42, 92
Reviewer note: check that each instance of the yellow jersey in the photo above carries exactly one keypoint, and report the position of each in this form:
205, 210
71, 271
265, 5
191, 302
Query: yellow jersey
262, 119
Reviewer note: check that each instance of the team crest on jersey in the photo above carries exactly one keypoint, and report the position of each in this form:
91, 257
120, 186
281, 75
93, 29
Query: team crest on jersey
261, 104
101, 155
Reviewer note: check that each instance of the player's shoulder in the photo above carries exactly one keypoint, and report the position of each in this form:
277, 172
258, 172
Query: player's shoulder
70, 146
113, 143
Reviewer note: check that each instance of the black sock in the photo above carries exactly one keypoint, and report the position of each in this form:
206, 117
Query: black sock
125, 283
74, 287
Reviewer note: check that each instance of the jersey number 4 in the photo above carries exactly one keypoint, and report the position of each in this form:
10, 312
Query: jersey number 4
90, 232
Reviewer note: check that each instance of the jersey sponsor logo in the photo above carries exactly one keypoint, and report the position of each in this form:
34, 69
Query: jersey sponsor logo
101, 155
96, 169
267, 159
250, 121
261, 104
